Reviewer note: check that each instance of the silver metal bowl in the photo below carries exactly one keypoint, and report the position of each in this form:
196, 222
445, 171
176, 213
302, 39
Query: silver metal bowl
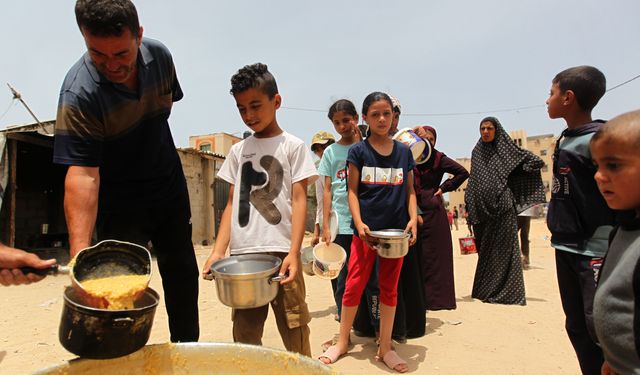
306, 256
390, 243
247, 281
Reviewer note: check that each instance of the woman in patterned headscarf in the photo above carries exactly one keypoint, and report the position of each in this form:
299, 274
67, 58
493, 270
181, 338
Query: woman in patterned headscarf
505, 180
436, 253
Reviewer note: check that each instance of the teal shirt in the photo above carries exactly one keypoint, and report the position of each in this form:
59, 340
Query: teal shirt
333, 164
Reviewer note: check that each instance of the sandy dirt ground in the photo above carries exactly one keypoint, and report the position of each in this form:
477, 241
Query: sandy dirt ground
477, 338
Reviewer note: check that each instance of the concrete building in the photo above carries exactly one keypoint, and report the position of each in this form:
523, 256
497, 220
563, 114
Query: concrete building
216, 143
32, 190
540, 145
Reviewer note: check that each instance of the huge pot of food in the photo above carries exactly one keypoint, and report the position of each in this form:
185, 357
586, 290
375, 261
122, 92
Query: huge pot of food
100, 333
197, 358
246, 281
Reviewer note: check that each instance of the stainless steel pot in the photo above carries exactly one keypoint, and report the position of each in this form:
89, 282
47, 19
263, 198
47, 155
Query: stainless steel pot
390, 243
197, 358
247, 281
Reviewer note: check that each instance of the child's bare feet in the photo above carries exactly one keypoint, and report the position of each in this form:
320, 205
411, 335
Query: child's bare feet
332, 354
393, 361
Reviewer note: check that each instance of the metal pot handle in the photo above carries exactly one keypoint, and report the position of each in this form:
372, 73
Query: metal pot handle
276, 279
209, 276
122, 322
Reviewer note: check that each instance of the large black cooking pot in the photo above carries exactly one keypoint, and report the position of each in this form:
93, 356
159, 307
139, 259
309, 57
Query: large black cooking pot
99, 334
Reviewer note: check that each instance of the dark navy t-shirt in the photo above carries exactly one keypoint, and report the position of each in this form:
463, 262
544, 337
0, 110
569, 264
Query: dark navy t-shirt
124, 133
382, 191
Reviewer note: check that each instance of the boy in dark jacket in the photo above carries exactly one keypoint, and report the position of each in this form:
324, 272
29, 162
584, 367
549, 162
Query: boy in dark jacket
578, 217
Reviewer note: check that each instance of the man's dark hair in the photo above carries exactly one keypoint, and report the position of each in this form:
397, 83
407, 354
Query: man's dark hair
254, 76
107, 17
587, 83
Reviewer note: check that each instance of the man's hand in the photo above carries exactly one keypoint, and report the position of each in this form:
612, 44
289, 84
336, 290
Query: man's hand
12, 259
290, 264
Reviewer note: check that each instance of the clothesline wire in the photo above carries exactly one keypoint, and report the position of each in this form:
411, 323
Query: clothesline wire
11, 104
451, 114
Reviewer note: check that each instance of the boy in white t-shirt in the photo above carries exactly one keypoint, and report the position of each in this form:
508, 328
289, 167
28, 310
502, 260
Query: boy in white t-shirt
266, 212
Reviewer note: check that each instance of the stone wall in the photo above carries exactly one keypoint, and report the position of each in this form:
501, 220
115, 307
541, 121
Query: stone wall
199, 170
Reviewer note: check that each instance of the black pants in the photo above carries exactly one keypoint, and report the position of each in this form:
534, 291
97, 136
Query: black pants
524, 223
576, 279
168, 227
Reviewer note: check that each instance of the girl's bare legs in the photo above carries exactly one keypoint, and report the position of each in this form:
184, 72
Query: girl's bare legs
387, 314
346, 321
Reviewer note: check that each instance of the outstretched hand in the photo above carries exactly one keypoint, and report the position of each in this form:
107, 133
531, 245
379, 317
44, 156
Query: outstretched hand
11, 260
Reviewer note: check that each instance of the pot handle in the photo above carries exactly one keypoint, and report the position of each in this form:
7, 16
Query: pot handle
122, 322
276, 279
209, 276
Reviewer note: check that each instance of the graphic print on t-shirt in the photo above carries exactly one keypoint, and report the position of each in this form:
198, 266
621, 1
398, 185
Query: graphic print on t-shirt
262, 198
382, 176
342, 174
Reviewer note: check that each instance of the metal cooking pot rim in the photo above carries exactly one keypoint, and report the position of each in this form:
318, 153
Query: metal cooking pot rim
234, 259
389, 234
75, 304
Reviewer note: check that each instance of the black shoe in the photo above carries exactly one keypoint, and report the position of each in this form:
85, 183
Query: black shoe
363, 334
399, 339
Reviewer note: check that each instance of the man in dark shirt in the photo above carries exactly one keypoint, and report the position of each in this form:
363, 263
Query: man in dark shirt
125, 177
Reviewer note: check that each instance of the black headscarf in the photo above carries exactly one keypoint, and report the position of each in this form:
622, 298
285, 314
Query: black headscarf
503, 176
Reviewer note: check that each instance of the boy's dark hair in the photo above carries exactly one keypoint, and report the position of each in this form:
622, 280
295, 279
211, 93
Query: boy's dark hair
342, 105
254, 76
587, 83
374, 97
107, 17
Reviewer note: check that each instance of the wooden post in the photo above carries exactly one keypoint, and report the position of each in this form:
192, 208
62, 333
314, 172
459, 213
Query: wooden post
13, 156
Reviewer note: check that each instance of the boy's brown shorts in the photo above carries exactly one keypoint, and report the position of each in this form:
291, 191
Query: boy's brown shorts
291, 313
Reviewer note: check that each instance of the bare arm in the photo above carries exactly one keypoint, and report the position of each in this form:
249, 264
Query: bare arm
413, 211
319, 206
222, 237
354, 203
81, 187
298, 220
326, 210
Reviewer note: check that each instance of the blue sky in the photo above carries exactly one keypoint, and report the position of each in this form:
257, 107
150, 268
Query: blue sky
440, 58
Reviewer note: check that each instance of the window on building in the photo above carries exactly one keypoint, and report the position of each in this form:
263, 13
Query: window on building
543, 152
206, 147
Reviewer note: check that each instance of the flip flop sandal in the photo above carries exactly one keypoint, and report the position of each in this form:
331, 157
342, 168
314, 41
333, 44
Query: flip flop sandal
393, 360
332, 354
327, 344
